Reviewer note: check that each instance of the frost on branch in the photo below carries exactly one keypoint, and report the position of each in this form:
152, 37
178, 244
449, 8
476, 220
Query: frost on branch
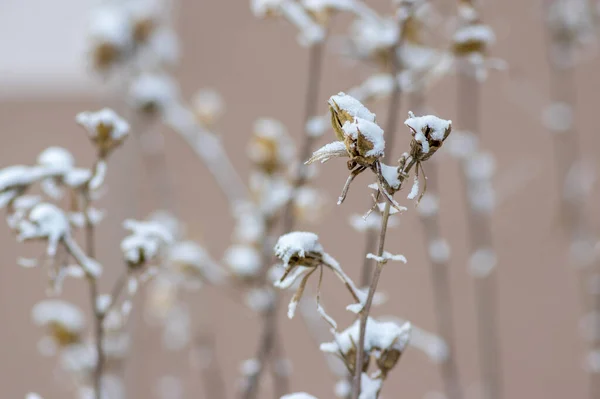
384, 342
15, 180
106, 129
44, 221
153, 92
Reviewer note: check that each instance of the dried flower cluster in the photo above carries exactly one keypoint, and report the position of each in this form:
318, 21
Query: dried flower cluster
133, 47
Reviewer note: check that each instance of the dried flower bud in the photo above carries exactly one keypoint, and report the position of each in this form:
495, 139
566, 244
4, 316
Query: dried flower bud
384, 340
106, 129
299, 249
345, 108
429, 133
308, 204
152, 93
270, 147
571, 21
208, 106
473, 38
145, 243
64, 321
110, 34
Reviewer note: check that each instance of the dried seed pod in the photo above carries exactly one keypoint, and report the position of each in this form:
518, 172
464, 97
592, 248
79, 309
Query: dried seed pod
345, 108
106, 129
429, 133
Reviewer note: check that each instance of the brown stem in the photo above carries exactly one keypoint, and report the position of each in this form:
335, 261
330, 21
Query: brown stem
269, 338
155, 162
389, 137
440, 278
93, 283
315, 72
364, 314
567, 153
479, 230
212, 377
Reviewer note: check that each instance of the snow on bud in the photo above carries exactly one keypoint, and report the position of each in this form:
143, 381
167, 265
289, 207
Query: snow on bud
473, 38
45, 221
429, 133
152, 93
270, 147
145, 243
105, 128
64, 322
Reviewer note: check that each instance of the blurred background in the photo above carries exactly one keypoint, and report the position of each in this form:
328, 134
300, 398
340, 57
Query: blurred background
260, 71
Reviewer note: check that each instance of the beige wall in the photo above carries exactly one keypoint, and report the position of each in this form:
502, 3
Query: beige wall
260, 70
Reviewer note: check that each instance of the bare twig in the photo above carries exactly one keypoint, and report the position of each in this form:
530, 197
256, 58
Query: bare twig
269, 341
440, 279
561, 47
93, 284
364, 314
479, 230
212, 378
389, 137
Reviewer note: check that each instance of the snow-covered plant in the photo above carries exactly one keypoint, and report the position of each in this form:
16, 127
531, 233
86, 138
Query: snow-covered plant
301, 253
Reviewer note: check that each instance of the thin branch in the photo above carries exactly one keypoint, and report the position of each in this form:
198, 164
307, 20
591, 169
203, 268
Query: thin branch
356, 383
269, 338
567, 155
212, 377
364, 314
93, 284
440, 279
389, 137
479, 230
209, 148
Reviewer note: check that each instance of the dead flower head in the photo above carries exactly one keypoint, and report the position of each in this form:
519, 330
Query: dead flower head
429, 133
270, 147
384, 341
301, 255
106, 129
64, 322
148, 241
359, 138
